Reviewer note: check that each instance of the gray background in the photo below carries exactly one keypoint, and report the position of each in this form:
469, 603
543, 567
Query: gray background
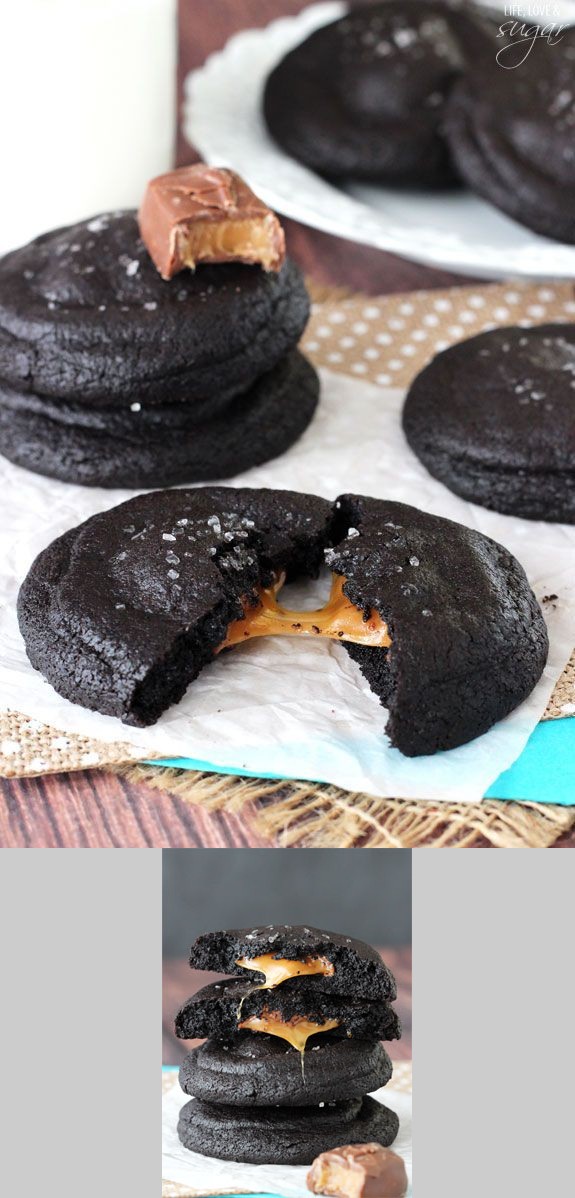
364, 893
494, 1046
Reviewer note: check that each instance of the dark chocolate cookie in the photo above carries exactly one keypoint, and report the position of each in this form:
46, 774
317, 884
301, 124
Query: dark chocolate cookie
283, 1135
136, 446
512, 133
254, 1069
122, 613
85, 316
469, 640
365, 96
494, 419
351, 966
218, 1010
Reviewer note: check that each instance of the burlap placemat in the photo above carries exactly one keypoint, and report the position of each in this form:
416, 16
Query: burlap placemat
402, 1080
385, 340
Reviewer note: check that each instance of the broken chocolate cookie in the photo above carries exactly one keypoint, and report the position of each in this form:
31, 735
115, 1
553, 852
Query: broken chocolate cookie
123, 612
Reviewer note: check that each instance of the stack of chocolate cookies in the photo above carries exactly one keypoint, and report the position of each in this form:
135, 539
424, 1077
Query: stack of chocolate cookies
128, 366
293, 1046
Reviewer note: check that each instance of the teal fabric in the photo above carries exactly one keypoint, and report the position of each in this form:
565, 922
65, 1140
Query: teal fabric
544, 773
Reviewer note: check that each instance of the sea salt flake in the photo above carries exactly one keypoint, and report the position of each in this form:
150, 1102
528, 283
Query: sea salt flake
98, 224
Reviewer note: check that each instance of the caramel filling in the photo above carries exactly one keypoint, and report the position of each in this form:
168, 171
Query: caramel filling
277, 971
296, 1031
338, 1180
338, 620
254, 239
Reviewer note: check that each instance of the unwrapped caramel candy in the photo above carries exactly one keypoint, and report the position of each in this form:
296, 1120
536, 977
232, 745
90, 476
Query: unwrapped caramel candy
207, 214
358, 1171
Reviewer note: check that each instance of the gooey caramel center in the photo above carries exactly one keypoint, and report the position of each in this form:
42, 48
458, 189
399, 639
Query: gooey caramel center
296, 1031
277, 971
339, 619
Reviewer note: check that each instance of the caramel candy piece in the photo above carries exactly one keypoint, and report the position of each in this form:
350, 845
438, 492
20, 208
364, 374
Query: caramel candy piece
207, 214
358, 1171
338, 620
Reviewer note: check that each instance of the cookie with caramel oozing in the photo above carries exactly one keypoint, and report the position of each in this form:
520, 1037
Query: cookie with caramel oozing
122, 613
295, 1013
276, 955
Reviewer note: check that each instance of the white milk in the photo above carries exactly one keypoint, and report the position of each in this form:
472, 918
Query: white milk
87, 108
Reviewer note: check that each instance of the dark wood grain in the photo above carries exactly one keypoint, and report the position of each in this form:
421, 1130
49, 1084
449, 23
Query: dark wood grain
180, 982
99, 810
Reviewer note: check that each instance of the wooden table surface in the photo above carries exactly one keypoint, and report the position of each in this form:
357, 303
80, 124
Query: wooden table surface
180, 982
100, 810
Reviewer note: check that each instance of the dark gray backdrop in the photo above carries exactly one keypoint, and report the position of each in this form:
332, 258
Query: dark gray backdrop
361, 892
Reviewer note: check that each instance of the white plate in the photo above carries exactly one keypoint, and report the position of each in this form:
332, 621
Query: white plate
457, 231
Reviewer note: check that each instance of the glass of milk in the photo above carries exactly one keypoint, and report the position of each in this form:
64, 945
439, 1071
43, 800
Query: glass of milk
87, 108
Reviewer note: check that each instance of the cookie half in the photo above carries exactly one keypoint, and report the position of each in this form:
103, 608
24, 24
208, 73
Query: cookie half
296, 1011
121, 613
468, 638
283, 1135
328, 961
494, 419
254, 1069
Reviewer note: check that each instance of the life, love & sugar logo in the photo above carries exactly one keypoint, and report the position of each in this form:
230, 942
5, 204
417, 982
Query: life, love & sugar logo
526, 25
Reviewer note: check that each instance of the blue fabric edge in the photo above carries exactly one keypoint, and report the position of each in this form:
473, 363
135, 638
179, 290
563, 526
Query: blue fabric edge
543, 773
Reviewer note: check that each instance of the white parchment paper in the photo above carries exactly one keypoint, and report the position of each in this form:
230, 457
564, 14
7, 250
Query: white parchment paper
199, 1172
280, 706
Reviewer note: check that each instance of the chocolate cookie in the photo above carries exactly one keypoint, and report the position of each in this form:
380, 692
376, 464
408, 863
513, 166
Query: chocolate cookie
220, 1009
494, 419
283, 1135
327, 960
468, 639
512, 134
365, 96
122, 613
254, 1069
85, 316
162, 445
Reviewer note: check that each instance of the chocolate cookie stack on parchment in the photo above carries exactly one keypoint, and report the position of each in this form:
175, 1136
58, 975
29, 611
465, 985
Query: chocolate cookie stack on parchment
293, 1046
